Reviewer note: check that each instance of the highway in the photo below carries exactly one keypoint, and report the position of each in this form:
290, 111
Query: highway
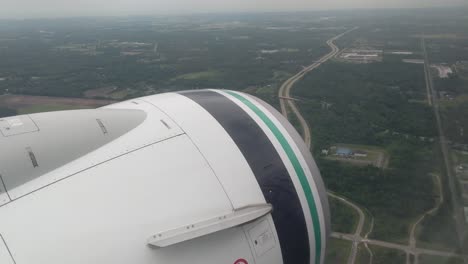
286, 100
457, 207
284, 95
285, 89
427, 74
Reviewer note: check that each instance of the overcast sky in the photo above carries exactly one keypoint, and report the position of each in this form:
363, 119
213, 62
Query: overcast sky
60, 8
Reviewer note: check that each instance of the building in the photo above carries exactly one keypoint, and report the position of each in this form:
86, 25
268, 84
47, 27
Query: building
344, 152
360, 154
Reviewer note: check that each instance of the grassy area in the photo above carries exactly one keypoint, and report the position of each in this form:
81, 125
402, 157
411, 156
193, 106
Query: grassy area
295, 122
268, 93
438, 234
47, 108
362, 256
459, 157
429, 259
281, 75
201, 79
368, 223
337, 251
386, 193
119, 95
4, 112
387, 256
361, 147
462, 71
376, 156
203, 75
438, 230
457, 101
386, 223
416, 101
368, 106
344, 218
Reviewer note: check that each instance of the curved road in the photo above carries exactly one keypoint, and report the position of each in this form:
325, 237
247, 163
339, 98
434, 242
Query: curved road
412, 240
357, 234
284, 95
285, 100
285, 89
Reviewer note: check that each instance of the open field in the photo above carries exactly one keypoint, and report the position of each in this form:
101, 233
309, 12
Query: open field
47, 108
462, 69
363, 255
24, 104
375, 156
337, 251
450, 36
204, 75
266, 93
414, 61
429, 259
455, 115
456, 101
108, 93
358, 55
443, 71
384, 255
355, 161
344, 218
157, 55
99, 92
119, 95
459, 157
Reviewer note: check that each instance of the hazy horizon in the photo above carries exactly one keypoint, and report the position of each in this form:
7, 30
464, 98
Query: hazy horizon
24, 9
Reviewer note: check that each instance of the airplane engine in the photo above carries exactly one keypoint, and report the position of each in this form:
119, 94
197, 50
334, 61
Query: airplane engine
202, 176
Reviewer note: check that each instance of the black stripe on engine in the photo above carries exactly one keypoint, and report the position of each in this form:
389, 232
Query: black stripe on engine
268, 168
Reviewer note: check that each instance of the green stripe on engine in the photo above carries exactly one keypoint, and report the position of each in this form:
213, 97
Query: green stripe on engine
297, 167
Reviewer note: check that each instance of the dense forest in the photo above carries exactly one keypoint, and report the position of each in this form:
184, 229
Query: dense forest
380, 104
365, 104
70, 59
394, 196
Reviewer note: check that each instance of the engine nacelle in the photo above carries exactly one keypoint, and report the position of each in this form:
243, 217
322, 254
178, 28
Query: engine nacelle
205, 176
